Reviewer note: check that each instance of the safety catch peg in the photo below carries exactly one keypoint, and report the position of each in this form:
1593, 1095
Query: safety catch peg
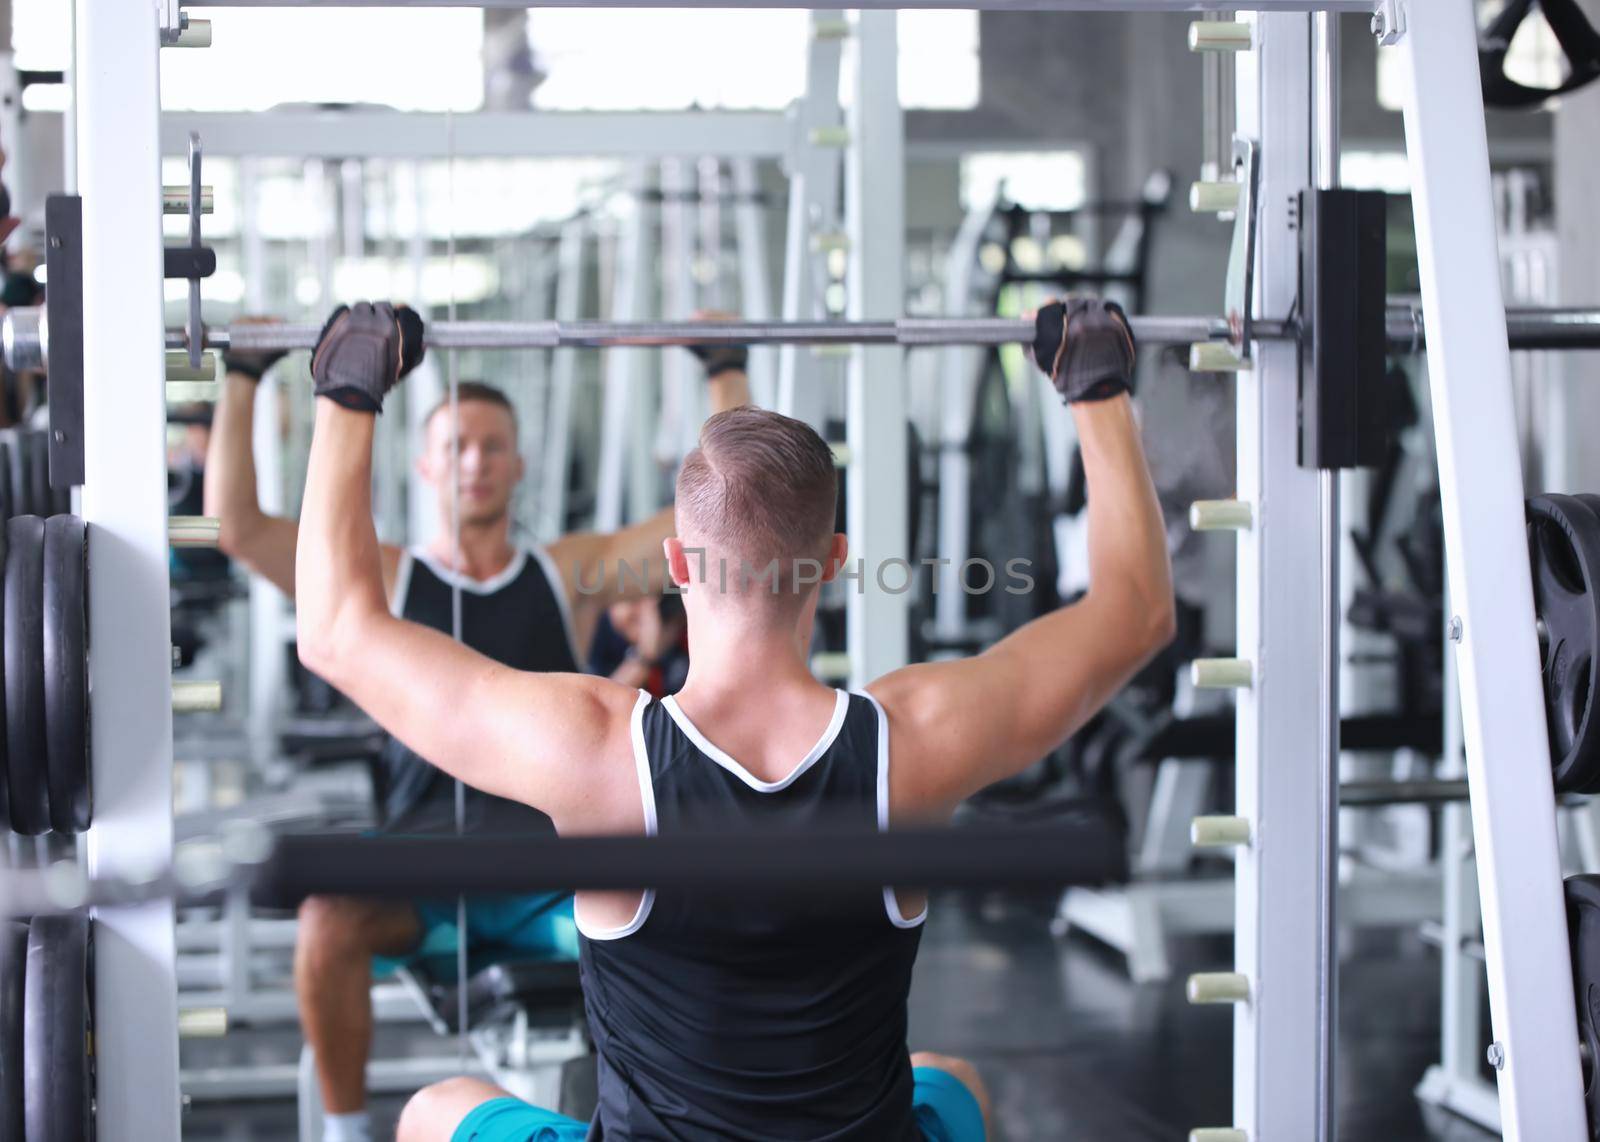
1218, 987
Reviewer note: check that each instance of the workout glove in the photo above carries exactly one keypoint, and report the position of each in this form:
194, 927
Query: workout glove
719, 359
1085, 347
363, 351
252, 363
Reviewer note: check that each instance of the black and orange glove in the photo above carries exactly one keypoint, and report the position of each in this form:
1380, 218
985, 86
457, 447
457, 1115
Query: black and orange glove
363, 352
1085, 347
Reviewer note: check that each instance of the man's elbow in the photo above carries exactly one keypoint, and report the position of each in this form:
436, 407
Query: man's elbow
235, 533
1160, 624
326, 645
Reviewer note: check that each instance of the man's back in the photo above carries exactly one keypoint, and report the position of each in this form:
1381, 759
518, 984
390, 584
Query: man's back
755, 1016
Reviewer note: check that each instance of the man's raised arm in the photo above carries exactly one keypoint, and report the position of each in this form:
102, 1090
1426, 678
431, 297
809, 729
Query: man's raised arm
263, 543
541, 739
959, 726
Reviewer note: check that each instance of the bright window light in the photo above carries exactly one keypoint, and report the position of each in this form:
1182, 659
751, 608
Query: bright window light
1036, 180
668, 59
939, 66
1375, 170
414, 59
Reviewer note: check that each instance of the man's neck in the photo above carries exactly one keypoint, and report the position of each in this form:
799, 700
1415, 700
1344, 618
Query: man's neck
485, 549
720, 662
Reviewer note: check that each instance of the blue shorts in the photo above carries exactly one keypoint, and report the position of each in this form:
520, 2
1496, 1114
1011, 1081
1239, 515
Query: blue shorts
541, 925
945, 1110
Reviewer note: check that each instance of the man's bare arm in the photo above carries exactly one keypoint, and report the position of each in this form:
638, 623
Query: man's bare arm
959, 726
263, 543
542, 739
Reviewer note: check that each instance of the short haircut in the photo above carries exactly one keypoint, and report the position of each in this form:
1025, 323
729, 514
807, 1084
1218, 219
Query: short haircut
478, 391
760, 488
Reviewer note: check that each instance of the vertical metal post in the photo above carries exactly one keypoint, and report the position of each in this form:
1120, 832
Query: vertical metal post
958, 381
1480, 476
877, 608
623, 367
755, 291
563, 379
1276, 912
682, 405
536, 409
125, 504
1325, 174
813, 204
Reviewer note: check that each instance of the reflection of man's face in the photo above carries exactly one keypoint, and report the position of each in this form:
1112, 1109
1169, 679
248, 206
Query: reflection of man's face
490, 466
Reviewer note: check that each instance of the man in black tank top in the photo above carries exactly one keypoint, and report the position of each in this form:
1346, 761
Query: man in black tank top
520, 605
755, 1016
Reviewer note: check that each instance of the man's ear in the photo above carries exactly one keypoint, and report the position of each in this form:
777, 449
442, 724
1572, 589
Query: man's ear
838, 549
677, 561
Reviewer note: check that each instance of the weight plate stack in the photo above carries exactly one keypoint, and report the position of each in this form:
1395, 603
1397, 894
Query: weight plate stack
1564, 554
55, 1031
13, 973
1583, 931
66, 672
27, 763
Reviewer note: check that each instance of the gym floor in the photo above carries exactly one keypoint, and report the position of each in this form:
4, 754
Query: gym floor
1070, 1048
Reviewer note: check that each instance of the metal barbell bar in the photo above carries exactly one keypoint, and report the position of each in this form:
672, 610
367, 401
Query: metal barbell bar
24, 332
906, 331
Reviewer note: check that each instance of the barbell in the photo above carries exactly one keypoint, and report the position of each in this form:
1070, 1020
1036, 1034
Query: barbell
25, 335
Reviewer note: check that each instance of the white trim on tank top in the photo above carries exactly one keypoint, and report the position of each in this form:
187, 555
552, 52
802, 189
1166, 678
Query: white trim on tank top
891, 902
466, 582
840, 706
489, 586
647, 797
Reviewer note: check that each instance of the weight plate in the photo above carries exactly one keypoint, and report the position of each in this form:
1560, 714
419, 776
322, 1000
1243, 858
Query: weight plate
13, 964
66, 672
27, 767
1583, 933
1564, 553
55, 1031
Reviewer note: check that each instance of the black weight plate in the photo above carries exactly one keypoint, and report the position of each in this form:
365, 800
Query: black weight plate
55, 1030
66, 672
13, 965
39, 474
1583, 933
1564, 554
27, 764
8, 495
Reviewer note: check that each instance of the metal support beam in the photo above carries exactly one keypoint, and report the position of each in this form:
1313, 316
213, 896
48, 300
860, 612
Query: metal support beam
1469, 367
877, 606
1280, 632
343, 134
125, 504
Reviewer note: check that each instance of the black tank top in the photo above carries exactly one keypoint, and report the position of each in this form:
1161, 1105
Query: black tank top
749, 1017
519, 617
